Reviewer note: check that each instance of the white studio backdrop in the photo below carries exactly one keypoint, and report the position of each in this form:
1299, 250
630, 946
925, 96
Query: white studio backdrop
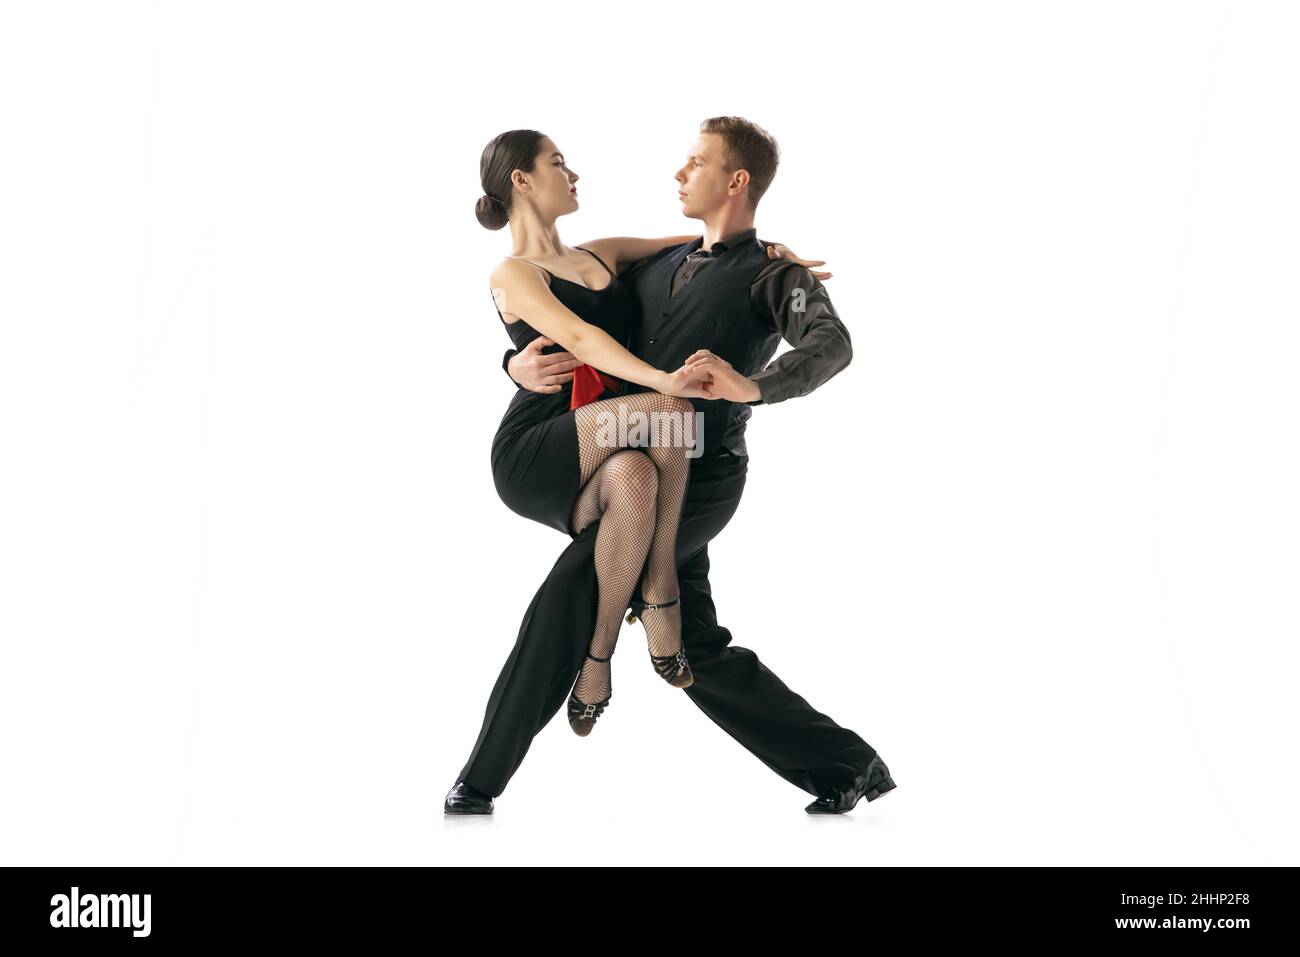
1036, 544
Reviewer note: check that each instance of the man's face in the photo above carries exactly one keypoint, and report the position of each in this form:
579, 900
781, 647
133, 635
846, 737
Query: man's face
704, 177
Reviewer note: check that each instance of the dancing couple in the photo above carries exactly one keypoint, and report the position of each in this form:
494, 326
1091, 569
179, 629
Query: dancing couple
596, 329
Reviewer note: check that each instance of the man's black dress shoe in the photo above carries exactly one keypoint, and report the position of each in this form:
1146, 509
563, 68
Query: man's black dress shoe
465, 799
870, 784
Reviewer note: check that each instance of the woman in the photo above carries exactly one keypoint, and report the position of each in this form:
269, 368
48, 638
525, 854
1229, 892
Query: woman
552, 461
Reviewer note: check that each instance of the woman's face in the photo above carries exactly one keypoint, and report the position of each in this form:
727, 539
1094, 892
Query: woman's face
553, 190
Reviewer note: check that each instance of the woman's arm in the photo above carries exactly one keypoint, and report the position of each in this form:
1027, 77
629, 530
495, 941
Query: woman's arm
623, 251
519, 289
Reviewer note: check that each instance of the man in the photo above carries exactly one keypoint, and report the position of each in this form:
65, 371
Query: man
724, 291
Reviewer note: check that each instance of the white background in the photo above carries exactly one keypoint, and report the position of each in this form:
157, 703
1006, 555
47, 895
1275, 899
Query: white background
1037, 544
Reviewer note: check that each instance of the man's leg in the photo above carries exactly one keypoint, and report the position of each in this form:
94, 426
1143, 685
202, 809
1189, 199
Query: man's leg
731, 686
734, 688
537, 677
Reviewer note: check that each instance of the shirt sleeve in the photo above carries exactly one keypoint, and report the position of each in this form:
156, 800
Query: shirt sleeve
802, 312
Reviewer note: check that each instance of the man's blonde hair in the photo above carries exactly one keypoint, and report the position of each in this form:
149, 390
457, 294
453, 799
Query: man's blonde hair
749, 147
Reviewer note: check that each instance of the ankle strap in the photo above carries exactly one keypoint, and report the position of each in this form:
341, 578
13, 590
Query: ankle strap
663, 604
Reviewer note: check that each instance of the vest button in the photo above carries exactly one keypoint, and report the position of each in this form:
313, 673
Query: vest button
652, 339
663, 315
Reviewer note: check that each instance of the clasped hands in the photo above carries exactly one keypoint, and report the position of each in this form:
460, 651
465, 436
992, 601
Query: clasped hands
705, 375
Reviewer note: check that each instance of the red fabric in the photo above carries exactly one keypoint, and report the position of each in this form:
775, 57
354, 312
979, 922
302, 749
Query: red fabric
588, 386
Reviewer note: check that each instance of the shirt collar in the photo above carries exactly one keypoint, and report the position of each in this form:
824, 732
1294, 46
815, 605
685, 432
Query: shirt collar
722, 245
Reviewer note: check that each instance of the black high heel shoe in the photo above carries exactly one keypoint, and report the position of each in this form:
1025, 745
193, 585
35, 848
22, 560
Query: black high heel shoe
582, 716
674, 668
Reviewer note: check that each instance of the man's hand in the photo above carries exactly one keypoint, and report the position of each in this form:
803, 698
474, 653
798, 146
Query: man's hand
782, 251
723, 382
537, 372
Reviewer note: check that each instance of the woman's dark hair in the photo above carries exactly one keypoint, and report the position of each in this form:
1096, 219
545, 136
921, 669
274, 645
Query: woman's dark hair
512, 150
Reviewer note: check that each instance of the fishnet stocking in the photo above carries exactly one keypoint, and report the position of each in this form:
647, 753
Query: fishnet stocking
667, 420
622, 494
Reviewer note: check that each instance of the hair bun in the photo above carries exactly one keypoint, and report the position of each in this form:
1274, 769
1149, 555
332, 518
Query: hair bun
491, 212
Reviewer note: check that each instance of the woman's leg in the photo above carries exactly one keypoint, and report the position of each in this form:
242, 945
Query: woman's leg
621, 493
668, 422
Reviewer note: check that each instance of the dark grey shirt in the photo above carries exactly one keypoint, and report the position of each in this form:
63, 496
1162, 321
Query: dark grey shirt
807, 320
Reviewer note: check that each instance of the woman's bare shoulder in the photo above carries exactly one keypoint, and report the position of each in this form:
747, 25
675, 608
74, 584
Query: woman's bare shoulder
512, 270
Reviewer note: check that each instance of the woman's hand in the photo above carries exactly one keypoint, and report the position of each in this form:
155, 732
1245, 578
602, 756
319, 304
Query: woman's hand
782, 251
687, 382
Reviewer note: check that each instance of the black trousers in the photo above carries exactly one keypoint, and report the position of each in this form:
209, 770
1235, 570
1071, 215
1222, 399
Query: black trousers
731, 686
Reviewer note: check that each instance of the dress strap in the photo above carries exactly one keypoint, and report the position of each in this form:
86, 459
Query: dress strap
531, 263
598, 259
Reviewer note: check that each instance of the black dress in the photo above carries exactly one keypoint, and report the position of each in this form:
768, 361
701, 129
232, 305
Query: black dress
535, 451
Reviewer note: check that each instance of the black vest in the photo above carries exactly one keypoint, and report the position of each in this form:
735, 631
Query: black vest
713, 311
